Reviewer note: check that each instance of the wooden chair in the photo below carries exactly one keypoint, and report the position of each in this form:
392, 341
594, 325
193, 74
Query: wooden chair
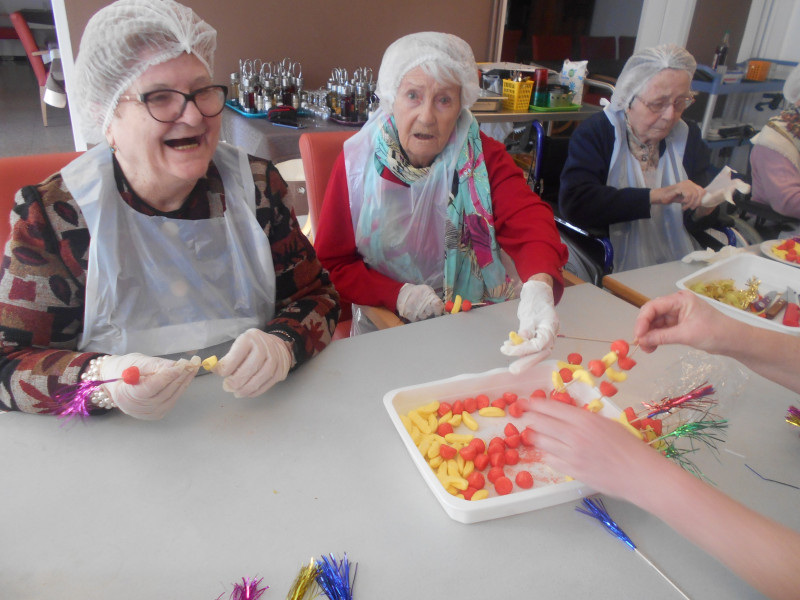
319, 152
34, 56
18, 171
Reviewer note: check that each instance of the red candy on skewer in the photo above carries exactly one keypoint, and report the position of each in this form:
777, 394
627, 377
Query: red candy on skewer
131, 375
621, 347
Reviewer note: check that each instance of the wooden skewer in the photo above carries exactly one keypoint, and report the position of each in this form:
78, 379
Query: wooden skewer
585, 339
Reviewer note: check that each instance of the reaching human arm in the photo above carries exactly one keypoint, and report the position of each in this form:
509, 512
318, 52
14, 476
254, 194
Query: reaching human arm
602, 454
683, 318
306, 303
336, 247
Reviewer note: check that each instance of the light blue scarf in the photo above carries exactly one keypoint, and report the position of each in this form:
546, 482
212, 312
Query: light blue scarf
472, 266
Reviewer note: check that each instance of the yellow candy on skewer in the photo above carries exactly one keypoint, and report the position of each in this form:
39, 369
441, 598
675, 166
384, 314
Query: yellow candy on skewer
456, 304
515, 338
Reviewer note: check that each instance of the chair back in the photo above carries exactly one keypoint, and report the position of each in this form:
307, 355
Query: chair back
551, 47
627, 44
29, 43
18, 171
598, 47
511, 39
319, 152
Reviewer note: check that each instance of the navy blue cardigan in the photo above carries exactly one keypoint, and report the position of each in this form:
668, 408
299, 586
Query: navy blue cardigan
584, 198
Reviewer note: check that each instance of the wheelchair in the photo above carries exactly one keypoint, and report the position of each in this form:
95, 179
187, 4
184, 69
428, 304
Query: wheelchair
591, 254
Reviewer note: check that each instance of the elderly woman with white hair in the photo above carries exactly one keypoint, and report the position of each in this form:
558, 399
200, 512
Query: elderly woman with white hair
159, 241
420, 204
775, 157
636, 167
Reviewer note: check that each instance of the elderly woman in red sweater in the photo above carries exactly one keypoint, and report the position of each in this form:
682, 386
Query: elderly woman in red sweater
421, 207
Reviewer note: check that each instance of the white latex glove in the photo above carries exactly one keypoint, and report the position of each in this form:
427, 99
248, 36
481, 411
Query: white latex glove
538, 326
722, 187
255, 362
160, 385
418, 302
710, 256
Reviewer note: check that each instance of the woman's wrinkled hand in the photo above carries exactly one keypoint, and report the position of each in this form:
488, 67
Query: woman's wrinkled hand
686, 193
256, 361
160, 385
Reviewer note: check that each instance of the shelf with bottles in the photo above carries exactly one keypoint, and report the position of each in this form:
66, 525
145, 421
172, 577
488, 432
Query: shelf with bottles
711, 82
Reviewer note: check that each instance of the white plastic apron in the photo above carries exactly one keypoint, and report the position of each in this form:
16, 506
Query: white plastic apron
410, 219
662, 237
160, 286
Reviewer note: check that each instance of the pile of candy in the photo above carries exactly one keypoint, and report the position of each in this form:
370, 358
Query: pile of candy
788, 250
446, 435
725, 291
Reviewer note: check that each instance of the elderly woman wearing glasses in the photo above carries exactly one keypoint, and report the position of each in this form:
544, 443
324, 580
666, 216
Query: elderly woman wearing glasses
159, 241
637, 168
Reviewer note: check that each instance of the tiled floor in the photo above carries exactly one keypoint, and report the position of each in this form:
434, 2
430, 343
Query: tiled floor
21, 128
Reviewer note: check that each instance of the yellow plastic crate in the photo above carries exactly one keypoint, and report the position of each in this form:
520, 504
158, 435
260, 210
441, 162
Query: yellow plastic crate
517, 95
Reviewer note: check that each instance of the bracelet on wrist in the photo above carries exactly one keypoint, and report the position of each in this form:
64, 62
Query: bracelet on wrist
99, 397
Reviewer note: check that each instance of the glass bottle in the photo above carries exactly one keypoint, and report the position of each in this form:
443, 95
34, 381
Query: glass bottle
361, 107
348, 103
233, 92
248, 96
721, 53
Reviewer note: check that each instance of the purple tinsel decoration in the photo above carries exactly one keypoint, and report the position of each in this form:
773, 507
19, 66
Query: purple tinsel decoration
793, 416
334, 578
248, 590
597, 510
75, 400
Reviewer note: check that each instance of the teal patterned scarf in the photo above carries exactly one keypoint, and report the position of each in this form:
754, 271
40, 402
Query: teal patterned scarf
472, 266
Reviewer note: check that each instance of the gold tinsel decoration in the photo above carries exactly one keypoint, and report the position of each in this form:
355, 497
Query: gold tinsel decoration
305, 582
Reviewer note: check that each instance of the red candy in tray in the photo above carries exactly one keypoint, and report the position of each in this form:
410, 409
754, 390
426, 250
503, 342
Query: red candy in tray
488, 466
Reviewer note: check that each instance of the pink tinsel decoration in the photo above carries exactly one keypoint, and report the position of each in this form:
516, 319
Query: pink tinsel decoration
76, 400
249, 589
691, 400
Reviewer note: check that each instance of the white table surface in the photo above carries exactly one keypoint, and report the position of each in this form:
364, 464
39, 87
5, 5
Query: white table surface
661, 280
224, 488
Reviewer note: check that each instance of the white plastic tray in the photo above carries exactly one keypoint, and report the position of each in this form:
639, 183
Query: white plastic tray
550, 487
774, 276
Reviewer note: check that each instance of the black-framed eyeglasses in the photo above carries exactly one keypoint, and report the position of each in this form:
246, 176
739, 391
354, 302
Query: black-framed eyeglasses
660, 106
167, 106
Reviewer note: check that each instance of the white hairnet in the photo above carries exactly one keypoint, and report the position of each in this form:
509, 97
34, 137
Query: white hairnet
444, 56
124, 39
644, 65
791, 87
